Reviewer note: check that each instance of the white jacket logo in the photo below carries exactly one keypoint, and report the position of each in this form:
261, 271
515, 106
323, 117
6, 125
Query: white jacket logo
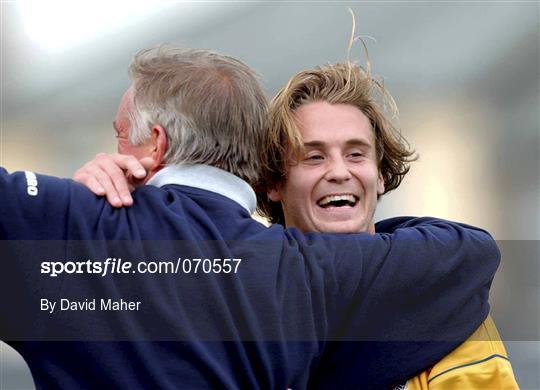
31, 182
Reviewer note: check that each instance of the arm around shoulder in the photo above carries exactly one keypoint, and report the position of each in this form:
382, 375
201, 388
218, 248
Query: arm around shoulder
430, 278
423, 289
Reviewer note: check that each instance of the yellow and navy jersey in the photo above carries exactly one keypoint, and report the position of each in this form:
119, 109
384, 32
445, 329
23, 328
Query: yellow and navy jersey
481, 362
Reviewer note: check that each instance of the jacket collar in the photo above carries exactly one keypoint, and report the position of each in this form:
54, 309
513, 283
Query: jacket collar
206, 177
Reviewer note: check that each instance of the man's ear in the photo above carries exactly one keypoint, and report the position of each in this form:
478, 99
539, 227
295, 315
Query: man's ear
160, 144
274, 195
380, 185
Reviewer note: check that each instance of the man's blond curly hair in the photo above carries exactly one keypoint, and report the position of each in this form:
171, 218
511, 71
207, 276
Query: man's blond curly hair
342, 83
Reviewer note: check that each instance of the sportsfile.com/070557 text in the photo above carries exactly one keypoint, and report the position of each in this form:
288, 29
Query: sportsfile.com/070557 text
113, 266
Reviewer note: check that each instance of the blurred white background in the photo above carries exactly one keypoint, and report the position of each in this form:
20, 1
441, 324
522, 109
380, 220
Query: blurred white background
465, 76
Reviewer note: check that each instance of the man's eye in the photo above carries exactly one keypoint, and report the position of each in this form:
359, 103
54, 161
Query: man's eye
314, 157
356, 155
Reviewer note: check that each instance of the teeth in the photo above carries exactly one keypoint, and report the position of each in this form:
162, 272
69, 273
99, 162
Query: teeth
336, 198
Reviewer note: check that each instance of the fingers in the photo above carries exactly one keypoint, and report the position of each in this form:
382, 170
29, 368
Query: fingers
111, 172
135, 171
147, 163
111, 178
131, 165
143, 165
108, 175
89, 181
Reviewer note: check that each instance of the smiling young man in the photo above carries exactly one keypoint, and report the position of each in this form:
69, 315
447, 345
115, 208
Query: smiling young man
331, 153
335, 185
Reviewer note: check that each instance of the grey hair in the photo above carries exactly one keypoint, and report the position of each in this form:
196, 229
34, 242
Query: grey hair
211, 105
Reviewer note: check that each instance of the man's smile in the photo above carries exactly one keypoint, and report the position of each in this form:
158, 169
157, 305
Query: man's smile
337, 201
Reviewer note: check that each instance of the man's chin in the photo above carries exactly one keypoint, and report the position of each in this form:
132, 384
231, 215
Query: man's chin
341, 227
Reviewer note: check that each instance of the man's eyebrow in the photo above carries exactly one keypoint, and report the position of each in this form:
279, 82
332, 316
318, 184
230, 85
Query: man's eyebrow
350, 142
358, 142
314, 144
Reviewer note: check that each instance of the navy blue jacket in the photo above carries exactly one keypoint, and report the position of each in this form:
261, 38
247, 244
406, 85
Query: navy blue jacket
265, 326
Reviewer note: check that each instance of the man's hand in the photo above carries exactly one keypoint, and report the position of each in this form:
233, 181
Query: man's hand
114, 176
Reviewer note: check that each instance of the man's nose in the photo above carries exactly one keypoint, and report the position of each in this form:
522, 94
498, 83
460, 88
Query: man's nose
338, 171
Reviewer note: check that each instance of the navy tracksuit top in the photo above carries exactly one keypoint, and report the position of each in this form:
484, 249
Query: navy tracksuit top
389, 304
